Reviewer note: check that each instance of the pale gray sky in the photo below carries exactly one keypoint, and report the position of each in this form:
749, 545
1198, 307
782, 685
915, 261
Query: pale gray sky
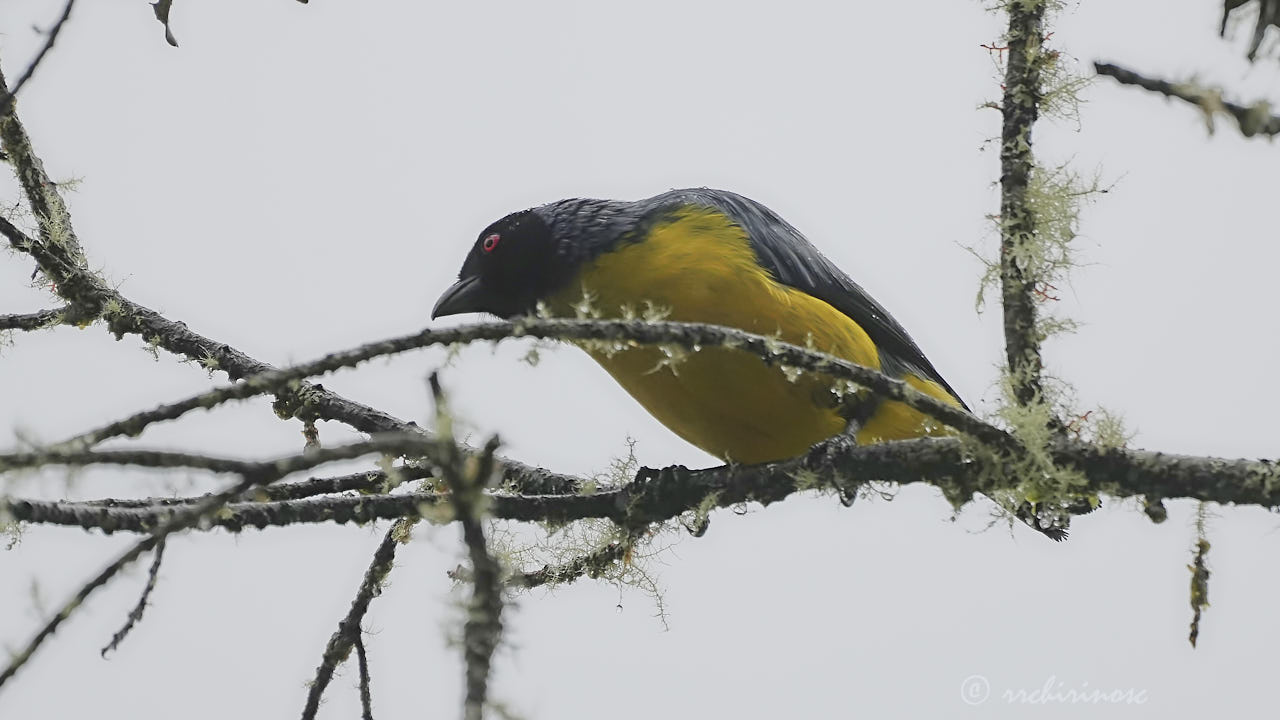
298, 179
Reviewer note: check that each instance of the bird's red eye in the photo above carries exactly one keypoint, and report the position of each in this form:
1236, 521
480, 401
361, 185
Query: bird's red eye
490, 243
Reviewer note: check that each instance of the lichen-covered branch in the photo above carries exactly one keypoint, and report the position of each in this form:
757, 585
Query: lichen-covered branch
591, 564
57, 251
661, 495
372, 481
178, 518
690, 336
1020, 109
1252, 120
33, 321
483, 627
59, 256
410, 444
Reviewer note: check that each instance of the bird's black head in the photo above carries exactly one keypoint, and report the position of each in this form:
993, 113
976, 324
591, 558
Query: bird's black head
512, 266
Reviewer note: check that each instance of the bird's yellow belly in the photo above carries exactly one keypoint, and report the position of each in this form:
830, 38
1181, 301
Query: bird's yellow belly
726, 402
700, 268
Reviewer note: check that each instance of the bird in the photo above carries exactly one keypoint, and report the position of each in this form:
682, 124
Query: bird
708, 256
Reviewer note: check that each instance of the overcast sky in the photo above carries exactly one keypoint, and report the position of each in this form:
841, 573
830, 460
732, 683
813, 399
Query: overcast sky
296, 179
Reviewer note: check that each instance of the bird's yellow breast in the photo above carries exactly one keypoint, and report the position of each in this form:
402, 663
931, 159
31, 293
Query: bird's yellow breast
698, 266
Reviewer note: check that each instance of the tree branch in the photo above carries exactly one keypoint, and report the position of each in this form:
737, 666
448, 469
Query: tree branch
656, 496
348, 633
1020, 108
372, 481
410, 444
58, 251
1252, 120
182, 520
483, 627
366, 695
690, 336
591, 564
33, 321
135, 615
11, 95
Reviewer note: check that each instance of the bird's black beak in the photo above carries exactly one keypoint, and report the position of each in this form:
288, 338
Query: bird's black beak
466, 295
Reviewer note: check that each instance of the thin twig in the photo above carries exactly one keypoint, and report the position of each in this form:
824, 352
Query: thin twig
340, 643
252, 474
1251, 119
12, 95
135, 615
415, 444
180, 521
372, 481
366, 694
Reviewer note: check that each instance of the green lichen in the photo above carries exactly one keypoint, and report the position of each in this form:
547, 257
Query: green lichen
112, 309
1030, 475
697, 519
521, 548
12, 531
672, 356
153, 347
1054, 198
1105, 429
532, 357
1062, 87
210, 363
585, 308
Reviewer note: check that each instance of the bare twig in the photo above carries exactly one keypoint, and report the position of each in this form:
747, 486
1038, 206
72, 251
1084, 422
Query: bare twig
1251, 119
180, 521
52, 37
366, 694
135, 615
344, 638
